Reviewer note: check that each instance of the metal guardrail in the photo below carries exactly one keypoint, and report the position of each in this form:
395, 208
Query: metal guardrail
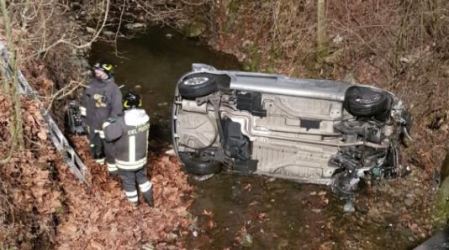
60, 142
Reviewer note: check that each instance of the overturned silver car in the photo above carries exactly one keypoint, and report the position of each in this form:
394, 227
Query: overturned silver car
312, 131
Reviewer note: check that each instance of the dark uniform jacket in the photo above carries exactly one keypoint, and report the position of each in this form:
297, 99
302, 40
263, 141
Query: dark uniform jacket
130, 136
101, 99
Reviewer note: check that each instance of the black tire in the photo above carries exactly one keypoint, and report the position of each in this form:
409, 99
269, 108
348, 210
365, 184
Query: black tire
206, 85
196, 165
367, 102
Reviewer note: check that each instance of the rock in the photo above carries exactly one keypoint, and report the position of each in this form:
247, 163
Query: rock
271, 179
148, 246
247, 43
108, 33
135, 26
404, 60
445, 70
335, 57
75, 5
202, 177
90, 30
337, 39
316, 210
349, 77
349, 207
170, 152
283, 244
327, 245
409, 202
171, 237
247, 240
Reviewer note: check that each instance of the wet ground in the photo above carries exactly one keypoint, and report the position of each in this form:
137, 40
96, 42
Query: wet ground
262, 213
257, 212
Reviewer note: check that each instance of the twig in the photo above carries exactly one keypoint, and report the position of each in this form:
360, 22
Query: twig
200, 3
119, 25
59, 96
62, 40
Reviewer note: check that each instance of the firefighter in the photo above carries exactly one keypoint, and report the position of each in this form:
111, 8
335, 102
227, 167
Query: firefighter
129, 133
101, 100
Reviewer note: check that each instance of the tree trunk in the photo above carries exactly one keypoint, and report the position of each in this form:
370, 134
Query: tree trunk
11, 85
321, 30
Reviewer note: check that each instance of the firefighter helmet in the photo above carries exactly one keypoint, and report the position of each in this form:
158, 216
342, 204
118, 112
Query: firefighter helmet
131, 100
105, 67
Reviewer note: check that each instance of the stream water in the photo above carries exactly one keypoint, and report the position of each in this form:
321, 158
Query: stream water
151, 65
239, 211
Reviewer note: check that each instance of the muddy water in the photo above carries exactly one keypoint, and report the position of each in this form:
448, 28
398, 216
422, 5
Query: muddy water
243, 211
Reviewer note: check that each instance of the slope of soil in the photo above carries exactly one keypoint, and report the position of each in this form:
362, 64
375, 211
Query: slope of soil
397, 45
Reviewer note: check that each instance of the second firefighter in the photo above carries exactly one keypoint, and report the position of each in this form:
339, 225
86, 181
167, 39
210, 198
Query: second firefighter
129, 134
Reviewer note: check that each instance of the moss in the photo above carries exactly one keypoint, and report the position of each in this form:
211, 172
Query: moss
194, 29
232, 10
250, 65
253, 61
60, 210
234, 6
441, 215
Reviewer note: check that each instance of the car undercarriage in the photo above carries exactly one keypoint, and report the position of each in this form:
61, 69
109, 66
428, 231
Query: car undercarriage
310, 131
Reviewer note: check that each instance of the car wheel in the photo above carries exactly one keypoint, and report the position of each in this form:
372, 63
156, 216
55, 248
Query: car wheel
198, 165
197, 85
364, 101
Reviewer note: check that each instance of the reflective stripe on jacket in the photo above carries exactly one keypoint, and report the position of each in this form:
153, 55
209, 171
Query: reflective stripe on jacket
129, 134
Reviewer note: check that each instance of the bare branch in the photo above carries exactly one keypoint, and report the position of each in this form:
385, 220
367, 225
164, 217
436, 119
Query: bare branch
62, 40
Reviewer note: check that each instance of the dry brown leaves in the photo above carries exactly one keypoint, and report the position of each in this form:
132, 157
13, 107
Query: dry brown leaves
100, 217
5, 118
29, 199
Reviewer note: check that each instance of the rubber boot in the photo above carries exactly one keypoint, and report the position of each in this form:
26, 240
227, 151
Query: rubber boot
98, 156
148, 196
